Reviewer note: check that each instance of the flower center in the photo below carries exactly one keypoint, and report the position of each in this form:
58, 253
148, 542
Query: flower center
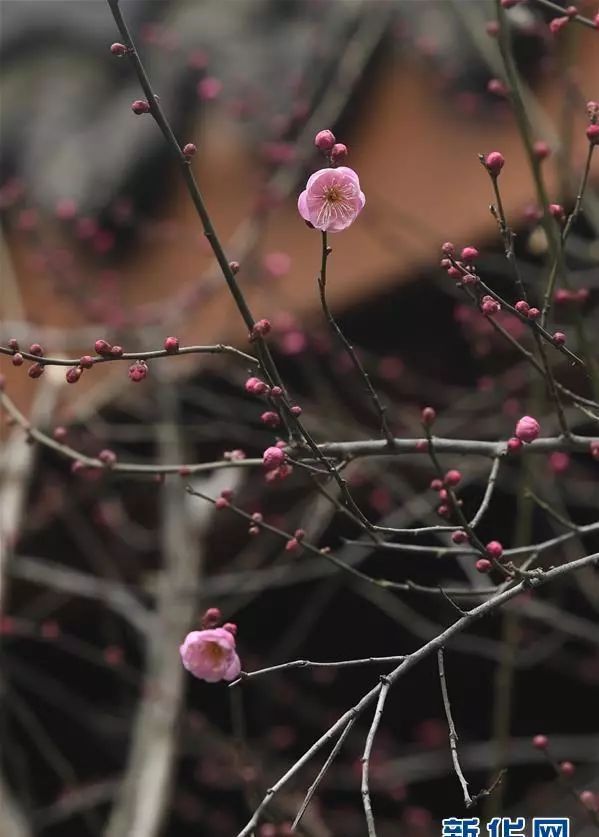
333, 194
215, 653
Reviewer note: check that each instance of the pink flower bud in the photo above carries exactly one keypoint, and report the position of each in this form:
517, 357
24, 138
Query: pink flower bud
102, 347
541, 150
428, 416
559, 338
107, 457
189, 150
211, 617
453, 478
454, 272
234, 267
231, 627
527, 429
514, 445
566, 768
210, 655
171, 344
256, 387
592, 133
116, 351
36, 370
490, 306
292, 545
338, 152
118, 49
86, 362
60, 433
557, 24
272, 458
138, 371
260, 329
13, 344
17, 359
140, 106
483, 565
448, 249
494, 549
443, 511
497, 87
324, 140
587, 797
522, 307
533, 314
209, 88
540, 742
469, 254
594, 447
296, 410
436, 485
494, 162
221, 503
459, 537
557, 211
270, 418
73, 374
36, 349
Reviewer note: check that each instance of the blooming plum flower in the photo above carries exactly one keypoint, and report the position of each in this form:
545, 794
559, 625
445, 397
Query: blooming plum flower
332, 199
210, 655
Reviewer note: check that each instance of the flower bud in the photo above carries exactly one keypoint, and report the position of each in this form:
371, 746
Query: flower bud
428, 416
171, 344
494, 549
73, 374
140, 106
36, 370
138, 371
527, 429
338, 152
211, 617
102, 347
324, 140
592, 133
107, 457
494, 162
272, 458
469, 254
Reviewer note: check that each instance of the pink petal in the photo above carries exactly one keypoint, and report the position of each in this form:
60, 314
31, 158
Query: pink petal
233, 668
302, 205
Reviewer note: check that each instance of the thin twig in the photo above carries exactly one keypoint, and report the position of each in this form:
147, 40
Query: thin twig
349, 349
378, 714
453, 736
321, 773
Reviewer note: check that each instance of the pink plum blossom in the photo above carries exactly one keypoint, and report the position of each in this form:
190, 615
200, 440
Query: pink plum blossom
332, 199
210, 655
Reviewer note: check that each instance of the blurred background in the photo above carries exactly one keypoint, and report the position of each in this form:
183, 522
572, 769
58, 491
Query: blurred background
101, 576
